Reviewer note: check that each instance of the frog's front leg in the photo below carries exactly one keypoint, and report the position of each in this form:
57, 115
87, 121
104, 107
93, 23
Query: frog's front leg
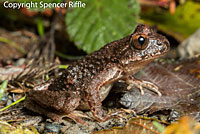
94, 94
95, 104
131, 81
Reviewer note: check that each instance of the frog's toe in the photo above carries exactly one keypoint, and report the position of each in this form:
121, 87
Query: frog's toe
140, 84
55, 117
152, 87
76, 117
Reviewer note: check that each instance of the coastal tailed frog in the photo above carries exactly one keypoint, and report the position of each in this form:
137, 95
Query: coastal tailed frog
87, 82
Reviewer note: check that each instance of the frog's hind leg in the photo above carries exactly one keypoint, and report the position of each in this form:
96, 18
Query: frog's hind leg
75, 118
70, 104
95, 104
55, 105
33, 106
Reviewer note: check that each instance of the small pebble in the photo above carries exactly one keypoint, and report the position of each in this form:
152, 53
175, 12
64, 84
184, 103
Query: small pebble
49, 127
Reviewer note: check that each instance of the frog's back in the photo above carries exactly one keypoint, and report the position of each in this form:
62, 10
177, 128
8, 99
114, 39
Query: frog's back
79, 74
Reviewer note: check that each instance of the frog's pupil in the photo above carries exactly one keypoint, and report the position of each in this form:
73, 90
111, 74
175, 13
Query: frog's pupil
141, 40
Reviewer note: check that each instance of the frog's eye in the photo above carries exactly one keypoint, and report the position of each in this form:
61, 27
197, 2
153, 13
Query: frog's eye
139, 42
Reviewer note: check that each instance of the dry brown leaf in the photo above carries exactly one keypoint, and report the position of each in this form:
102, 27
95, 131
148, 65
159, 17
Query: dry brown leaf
178, 82
134, 126
185, 125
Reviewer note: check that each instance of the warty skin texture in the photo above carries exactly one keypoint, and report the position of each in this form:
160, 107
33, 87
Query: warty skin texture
87, 82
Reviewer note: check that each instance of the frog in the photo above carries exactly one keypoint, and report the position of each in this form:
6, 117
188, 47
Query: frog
88, 81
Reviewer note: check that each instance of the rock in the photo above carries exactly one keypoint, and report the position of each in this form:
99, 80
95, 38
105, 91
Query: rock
190, 47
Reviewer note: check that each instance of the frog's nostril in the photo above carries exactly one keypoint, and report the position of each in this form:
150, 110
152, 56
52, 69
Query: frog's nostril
159, 42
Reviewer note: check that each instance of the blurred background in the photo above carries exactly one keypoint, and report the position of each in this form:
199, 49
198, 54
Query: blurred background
78, 30
36, 43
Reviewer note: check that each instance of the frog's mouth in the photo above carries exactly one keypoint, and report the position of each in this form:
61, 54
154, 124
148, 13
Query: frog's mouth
153, 56
154, 53
136, 65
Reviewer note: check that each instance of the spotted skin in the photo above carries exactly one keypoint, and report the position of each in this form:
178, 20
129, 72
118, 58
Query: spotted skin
87, 82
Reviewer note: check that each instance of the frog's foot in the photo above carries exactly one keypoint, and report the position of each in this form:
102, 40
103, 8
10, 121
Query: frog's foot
55, 116
72, 115
109, 115
81, 114
129, 111
76, 118
131, 81
120, 113
103, 118
100, 115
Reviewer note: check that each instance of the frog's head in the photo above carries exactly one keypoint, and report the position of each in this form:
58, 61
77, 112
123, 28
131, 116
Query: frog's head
144, 46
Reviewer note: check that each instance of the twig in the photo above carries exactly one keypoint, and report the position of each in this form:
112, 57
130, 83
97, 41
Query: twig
21, 99
13, 44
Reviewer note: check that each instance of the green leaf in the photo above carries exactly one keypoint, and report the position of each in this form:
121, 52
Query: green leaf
183, 23
63, 66
40, 27
159, 126
13, 44
47, 77
6, 128
21, 99
101, 22
3, 88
